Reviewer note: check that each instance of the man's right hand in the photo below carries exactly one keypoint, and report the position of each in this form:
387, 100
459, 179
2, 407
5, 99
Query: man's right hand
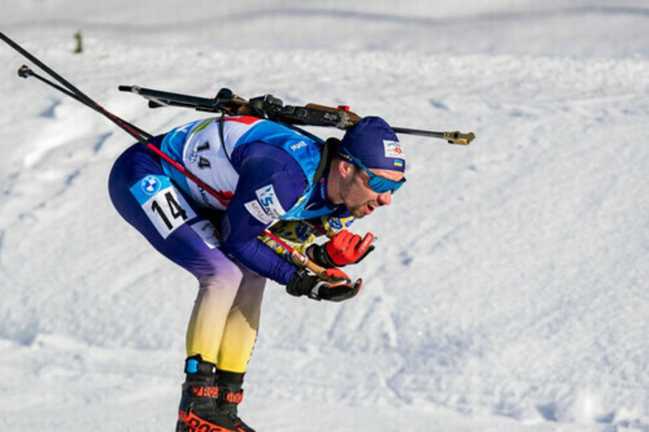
338, 288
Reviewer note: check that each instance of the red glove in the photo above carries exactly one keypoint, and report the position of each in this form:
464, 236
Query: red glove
343, 248
348, 248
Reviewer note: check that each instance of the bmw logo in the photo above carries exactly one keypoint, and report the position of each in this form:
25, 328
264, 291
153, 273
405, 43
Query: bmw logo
150, 185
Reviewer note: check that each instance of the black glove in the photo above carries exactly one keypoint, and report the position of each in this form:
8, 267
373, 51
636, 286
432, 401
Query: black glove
315, 288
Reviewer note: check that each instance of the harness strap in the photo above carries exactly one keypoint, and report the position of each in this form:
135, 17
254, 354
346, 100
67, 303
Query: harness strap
325, 159
221, 137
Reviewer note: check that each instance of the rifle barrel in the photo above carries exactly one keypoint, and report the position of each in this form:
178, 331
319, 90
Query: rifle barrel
453, 137
175, 99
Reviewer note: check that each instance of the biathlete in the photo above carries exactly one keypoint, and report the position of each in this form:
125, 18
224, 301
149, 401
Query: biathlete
267, 175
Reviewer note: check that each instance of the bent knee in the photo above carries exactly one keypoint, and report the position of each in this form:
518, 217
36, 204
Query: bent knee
223, 274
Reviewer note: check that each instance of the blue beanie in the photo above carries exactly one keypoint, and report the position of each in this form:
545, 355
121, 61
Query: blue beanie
374, 142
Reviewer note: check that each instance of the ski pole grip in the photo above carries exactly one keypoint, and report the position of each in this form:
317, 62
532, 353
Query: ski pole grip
303, 261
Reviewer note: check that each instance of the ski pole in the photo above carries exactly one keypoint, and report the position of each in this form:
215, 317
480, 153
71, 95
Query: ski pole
140, 135
25, 72
298, 258
137, 133
41, 65
144, 137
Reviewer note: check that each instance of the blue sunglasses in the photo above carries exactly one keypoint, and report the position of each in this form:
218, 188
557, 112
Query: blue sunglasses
377, 183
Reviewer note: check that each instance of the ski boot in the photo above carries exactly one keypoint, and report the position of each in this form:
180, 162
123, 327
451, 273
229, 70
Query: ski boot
209, 399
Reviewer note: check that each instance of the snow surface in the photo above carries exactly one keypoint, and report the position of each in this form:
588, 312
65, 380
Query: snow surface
509, 290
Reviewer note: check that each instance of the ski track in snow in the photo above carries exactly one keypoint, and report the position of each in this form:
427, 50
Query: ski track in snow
508, 290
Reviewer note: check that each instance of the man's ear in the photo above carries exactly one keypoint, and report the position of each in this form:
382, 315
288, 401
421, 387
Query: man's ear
345, 169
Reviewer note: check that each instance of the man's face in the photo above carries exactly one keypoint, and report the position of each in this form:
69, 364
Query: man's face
357, 195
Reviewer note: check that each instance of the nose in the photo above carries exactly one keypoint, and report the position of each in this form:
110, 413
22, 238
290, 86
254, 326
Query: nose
385, 199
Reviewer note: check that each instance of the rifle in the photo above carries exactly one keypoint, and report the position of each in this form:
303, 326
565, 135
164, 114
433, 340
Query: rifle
272, 108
